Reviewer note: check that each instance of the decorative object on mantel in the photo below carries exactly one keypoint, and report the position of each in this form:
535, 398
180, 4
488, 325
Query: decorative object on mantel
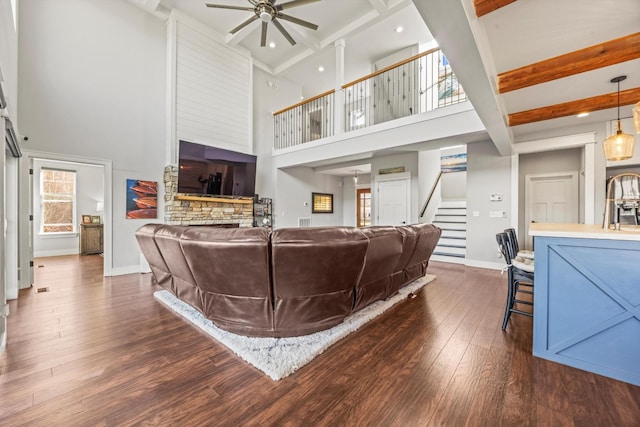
321, 203
142, 199
267, 11
619, 146
280, 357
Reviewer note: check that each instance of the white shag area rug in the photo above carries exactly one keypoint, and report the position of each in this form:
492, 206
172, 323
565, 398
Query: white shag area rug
280, 357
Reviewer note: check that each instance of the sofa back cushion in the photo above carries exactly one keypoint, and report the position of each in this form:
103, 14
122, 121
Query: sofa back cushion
231, 268
385, 248
183, 285
427, 239
314, 272
146, 237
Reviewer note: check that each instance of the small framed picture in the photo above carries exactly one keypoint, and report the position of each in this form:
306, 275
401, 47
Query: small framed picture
95, 219
86, 219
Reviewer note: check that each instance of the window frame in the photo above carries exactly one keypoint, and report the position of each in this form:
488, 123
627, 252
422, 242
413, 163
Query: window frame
74, 218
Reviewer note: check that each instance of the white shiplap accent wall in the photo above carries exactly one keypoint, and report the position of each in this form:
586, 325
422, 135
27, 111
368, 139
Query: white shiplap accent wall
213, 87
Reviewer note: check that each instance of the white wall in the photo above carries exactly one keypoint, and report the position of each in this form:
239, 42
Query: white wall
428, 169
270, 94
9, 59
89, 190
92, 84
487, 172
454, 184
293, 197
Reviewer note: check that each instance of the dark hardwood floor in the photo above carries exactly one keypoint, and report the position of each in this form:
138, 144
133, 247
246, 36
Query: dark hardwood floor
102, 351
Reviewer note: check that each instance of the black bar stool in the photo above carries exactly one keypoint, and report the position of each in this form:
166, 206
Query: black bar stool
519, 273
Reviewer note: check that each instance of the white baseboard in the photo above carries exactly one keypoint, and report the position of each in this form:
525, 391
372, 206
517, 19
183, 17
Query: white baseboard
129, 269
490, 265
58, 252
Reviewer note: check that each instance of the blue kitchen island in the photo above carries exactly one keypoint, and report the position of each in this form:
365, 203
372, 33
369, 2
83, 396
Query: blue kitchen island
587, 298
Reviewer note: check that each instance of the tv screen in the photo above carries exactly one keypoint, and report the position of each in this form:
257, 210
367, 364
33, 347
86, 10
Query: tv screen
203, 169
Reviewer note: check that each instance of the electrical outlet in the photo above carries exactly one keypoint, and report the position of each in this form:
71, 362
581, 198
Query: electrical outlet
497, 214
495, 197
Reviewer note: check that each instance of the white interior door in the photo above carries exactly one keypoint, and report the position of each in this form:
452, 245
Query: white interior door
393, 202
551, 198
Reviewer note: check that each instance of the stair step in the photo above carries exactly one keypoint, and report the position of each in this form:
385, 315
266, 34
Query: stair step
450, 245
450, 250
451, 218
460, 234
451, 211
462, 226
453, 204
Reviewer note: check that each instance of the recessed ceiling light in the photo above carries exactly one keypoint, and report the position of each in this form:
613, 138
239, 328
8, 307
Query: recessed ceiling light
399, 29
582, 115
272, 44
321, 68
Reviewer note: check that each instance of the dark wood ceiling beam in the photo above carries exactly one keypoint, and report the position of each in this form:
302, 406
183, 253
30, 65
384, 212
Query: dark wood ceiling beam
623, 49
487, 6
586, 105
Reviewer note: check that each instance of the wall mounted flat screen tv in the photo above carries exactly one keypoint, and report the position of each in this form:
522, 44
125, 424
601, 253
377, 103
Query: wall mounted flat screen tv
203, 169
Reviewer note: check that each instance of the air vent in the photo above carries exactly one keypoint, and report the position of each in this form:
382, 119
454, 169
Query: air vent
41, 290
304, 222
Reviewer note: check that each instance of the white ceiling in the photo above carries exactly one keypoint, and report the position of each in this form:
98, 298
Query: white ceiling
518, 34
366, 26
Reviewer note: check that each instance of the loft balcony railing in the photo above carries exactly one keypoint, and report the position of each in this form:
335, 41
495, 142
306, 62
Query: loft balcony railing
416, 85
305, 121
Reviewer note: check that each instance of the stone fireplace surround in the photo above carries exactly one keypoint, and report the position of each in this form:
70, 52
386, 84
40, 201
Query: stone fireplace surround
183, 209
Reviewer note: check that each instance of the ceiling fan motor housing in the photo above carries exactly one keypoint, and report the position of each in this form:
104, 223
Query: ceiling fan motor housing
265, 12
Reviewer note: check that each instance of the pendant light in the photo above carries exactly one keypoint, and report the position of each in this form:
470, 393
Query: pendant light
619, 146
636, 116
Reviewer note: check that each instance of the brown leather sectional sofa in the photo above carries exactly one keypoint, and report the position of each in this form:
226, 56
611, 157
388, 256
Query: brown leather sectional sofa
289, 281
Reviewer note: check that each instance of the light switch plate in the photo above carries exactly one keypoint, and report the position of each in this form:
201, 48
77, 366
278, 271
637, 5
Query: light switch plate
497, 214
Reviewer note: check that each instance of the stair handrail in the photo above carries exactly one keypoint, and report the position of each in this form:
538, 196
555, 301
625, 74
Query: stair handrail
433, 189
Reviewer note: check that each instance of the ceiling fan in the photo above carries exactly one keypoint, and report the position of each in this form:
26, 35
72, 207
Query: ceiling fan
267, 11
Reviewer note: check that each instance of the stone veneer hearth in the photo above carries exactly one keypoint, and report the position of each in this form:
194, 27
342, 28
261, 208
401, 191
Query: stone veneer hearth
201, 211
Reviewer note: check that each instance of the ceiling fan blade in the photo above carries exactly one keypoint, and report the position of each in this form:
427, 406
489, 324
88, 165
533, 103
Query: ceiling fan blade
224, 6
283, 31
263, 36
297, 21
244, 24
294, 3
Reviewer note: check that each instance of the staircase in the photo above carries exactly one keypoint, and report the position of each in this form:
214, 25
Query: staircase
451, 217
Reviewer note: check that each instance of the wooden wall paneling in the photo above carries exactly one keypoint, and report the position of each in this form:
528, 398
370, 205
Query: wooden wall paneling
213, 91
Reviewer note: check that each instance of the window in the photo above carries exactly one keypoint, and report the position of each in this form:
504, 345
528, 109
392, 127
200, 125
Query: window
321, 203
58, 199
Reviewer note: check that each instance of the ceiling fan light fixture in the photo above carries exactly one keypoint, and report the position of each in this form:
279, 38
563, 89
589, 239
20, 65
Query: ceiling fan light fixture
265, 16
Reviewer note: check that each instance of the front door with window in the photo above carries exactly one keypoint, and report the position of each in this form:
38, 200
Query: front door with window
363, 207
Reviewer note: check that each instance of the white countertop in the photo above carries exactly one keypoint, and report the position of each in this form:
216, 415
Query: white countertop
584, 231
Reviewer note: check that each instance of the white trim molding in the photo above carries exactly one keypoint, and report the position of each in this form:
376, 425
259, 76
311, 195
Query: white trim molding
556, 143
